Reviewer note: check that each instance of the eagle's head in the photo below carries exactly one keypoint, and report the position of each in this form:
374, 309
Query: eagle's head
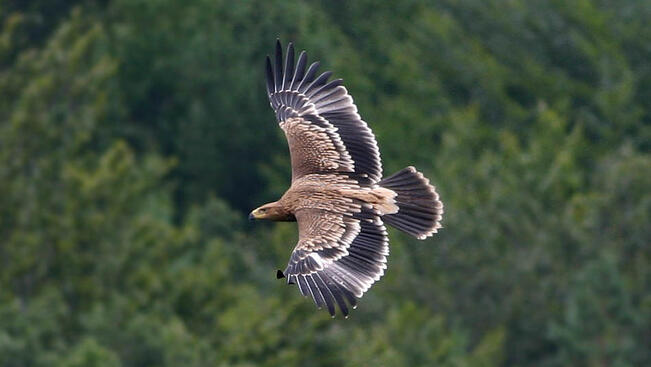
272, 211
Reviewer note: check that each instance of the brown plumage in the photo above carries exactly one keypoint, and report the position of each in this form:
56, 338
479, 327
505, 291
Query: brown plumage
337, 195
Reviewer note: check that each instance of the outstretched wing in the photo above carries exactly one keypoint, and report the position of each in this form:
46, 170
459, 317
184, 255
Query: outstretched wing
338, 256
324, 114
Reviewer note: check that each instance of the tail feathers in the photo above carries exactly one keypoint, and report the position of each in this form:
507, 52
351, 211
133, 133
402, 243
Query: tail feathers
420, 210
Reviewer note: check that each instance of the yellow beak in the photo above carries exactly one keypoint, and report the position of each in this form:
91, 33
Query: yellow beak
255, 214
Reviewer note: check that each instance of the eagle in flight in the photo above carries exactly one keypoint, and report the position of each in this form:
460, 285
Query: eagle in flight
337, 194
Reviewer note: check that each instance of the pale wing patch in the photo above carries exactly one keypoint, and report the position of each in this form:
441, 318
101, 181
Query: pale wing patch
319, 230
314, 149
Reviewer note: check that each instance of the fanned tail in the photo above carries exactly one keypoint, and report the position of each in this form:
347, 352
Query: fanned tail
420, 210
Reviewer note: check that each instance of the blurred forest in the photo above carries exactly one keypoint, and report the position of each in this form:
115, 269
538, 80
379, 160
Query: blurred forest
136, 135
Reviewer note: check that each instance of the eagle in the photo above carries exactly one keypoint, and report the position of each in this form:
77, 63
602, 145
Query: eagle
337, 194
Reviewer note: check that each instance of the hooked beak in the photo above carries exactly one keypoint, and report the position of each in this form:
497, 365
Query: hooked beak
251, 216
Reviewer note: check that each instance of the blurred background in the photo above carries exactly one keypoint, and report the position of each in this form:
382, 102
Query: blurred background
136, 135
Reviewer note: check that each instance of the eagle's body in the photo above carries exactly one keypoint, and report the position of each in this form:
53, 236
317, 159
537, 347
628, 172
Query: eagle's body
337, 195
334, 193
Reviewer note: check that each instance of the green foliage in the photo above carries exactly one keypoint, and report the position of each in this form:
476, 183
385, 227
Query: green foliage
136, 135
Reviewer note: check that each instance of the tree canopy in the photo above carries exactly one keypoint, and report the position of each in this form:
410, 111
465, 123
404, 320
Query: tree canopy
135, 136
